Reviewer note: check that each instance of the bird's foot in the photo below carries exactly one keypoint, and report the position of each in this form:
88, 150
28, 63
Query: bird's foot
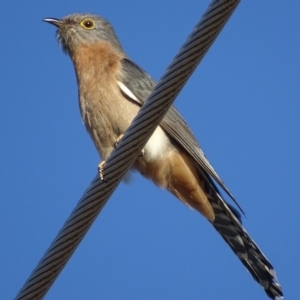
100, 169
142, 152
117, 141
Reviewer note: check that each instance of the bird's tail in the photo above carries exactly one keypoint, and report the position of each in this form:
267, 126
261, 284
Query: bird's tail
229, 226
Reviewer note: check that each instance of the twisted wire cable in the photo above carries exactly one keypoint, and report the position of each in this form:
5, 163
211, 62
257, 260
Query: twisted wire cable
135, 138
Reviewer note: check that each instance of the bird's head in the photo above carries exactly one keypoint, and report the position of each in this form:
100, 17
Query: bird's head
83, 29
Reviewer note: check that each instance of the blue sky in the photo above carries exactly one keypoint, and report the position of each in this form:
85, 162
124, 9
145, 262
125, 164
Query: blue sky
242, 104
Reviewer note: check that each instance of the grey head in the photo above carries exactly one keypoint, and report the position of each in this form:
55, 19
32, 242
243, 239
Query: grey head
83, 29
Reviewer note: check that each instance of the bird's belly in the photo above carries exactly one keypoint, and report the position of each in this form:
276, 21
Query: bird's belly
157, 145
152, 163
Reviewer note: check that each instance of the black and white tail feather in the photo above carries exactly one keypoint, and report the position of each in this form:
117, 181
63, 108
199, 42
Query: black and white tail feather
234, 234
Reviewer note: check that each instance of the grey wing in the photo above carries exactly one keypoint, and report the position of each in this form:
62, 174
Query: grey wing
140, 84
136, 80
174, 124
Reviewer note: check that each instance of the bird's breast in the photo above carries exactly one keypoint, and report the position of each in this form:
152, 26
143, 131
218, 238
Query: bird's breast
106, 115
105, 112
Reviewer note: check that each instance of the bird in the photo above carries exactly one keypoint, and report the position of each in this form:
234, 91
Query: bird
111, 89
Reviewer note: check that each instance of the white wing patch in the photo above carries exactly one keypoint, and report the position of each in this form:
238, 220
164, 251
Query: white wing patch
127, 91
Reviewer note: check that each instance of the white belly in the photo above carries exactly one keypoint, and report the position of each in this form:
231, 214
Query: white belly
157, 145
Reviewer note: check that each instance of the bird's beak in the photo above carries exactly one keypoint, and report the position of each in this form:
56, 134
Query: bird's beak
55, 22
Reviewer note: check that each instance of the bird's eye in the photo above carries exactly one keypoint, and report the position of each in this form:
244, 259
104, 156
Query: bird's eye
87, 23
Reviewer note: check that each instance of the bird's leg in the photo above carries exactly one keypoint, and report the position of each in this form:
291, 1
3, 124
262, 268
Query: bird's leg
102, 163
118, 141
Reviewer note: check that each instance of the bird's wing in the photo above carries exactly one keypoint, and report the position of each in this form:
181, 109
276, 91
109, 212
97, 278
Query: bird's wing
136, 85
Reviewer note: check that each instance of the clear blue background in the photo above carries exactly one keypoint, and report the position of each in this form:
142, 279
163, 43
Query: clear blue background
242, 103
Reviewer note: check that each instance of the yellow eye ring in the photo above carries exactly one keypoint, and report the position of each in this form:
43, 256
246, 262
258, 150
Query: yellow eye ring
87, 23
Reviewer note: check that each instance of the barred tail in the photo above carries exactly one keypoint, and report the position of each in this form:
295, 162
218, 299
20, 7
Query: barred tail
234, 234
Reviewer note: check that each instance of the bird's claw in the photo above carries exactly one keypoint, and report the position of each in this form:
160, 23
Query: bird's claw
100, 169
142, 152
117, 141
